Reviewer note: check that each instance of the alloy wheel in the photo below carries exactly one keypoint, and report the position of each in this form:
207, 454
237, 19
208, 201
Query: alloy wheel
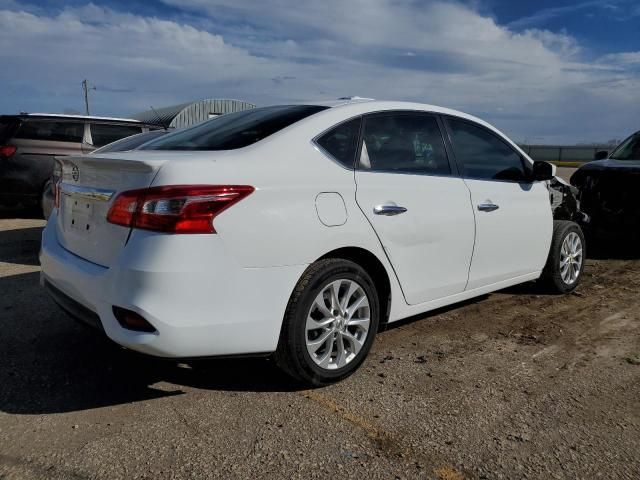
571, 258
337, 324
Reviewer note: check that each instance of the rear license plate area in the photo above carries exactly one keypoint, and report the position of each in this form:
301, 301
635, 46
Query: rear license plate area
79, 215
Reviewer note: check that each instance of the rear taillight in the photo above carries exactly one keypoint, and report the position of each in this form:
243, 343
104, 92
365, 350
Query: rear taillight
56, 180
124, 208
175, 209
7, 150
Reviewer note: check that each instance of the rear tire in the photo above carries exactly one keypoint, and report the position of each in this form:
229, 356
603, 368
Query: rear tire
330, 323
567, 255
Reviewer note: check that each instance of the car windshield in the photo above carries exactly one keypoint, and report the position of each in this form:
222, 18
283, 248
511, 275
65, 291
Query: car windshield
628, 150
234, 130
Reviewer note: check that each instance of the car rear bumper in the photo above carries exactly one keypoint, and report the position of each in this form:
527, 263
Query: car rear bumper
201, 302
74, 309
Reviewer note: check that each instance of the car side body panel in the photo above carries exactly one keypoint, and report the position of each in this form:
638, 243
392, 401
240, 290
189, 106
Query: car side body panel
513, 240
430, 245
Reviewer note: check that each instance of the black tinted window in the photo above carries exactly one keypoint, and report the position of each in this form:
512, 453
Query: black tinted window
482, 155
234, 130
131, 143
403, 143
341, 142
7, 126
629, 149
102, 134
54, 131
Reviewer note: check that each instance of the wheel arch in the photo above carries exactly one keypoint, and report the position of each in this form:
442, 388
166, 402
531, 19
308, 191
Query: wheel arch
374, 267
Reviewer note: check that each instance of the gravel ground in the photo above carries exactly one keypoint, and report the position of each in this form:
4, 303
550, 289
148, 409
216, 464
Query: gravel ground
513, 385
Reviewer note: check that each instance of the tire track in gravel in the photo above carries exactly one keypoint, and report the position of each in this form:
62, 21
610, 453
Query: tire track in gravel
385, 441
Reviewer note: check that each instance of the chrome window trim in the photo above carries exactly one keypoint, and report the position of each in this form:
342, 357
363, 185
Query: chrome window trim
90, 193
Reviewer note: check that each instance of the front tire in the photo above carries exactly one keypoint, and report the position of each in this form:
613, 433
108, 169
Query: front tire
330, 323
567, 255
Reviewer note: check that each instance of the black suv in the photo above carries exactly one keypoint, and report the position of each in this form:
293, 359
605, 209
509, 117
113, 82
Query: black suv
29, 143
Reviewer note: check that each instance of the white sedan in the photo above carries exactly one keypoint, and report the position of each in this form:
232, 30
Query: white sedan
297, 230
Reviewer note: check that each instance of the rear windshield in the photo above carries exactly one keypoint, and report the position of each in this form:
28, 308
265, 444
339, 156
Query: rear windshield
55, 131
131, 143
628, 150
234, 130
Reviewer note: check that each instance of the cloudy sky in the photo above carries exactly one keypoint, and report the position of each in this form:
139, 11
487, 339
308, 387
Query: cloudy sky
543, 71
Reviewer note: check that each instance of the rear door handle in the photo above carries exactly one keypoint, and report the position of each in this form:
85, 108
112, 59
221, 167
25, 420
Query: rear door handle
388, 210
488, 207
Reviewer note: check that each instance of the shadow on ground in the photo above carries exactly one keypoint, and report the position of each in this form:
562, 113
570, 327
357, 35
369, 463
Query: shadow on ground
20, 246
50, 364
614, 247
20, 212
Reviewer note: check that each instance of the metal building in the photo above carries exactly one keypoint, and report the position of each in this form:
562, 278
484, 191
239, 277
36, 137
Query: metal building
565, 153
187, 114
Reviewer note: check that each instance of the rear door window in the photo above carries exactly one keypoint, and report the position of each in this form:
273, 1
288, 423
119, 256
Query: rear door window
403, 143
53, 131
102, 133
341, 142
235, 130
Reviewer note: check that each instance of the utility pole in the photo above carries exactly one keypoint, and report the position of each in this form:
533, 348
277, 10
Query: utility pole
85, 90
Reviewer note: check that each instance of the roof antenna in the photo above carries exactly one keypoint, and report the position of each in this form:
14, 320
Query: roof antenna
160, 122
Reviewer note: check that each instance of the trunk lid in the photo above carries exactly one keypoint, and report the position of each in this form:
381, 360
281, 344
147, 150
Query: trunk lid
88, 187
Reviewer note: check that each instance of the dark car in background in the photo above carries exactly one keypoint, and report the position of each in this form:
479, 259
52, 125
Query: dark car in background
123, 145
29, 143
610, 189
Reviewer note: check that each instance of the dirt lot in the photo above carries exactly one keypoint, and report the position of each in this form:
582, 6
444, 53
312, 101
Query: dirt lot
514, 385
565, 172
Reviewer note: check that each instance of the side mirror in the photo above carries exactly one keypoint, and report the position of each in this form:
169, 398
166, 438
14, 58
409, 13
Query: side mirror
601, 155
543, 171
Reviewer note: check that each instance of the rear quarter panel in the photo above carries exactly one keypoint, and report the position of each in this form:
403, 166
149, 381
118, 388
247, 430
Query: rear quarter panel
278, 224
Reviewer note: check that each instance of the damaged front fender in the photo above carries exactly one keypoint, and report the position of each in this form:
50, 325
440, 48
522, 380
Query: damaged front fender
564, 201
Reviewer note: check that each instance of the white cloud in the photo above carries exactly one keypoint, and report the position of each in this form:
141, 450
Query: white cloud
531, 84
623, 58
160, 60
552, 12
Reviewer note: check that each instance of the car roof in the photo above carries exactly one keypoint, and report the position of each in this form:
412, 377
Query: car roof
360, 105
372, 105
357, 105
335, 103
74, 117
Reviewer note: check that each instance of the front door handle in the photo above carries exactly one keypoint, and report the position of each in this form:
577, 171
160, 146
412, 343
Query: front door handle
388, 210
488, 207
